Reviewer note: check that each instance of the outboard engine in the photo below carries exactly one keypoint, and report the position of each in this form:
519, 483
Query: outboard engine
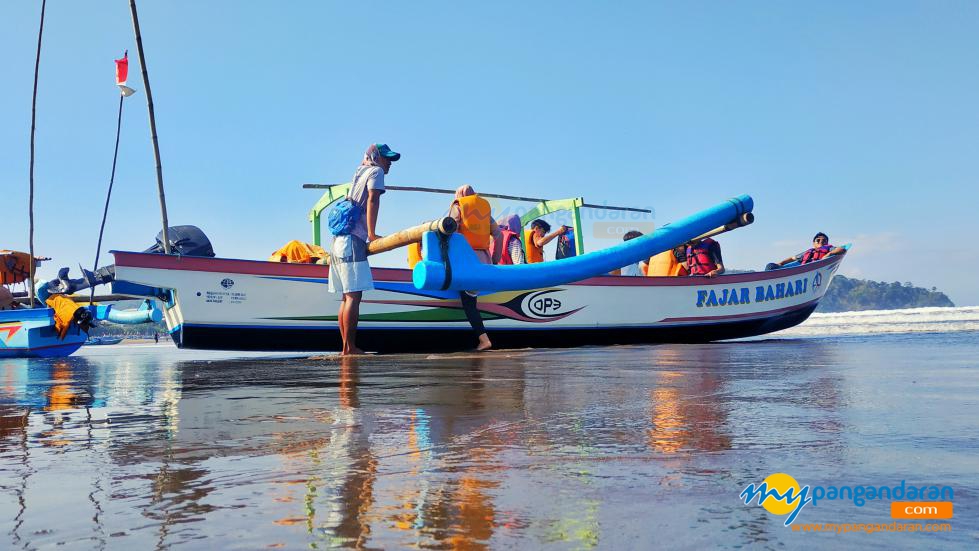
184, 241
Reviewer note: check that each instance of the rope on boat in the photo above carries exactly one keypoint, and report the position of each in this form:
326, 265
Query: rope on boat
444, 246
108, 196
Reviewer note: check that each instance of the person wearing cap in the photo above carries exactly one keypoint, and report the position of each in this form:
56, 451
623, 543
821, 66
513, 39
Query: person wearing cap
350, 273
820, 249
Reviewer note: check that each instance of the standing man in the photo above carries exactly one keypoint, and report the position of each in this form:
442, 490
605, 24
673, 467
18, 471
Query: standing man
350, 273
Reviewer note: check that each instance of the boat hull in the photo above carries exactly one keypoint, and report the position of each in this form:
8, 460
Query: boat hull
30, 333
231, 304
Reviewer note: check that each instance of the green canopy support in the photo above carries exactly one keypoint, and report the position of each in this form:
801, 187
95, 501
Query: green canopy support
549, 207
332, 195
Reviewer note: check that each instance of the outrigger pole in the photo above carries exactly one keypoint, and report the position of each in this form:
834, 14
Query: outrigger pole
156, 144
30, 206
491, 195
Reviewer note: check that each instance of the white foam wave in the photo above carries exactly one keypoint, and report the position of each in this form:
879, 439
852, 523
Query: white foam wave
870, 322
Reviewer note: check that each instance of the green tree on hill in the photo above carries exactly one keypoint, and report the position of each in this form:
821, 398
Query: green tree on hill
846, 294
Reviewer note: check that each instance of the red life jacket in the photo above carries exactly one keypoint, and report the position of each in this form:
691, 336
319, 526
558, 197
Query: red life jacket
815, 254
699, 261
508, 237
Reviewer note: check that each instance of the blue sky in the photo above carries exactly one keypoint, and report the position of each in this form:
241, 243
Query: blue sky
856, 119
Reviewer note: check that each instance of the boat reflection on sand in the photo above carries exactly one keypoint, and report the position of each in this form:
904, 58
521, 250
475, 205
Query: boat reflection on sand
411, 450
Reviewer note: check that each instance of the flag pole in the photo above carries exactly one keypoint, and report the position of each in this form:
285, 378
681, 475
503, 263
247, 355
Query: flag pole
122, 72
156, 144
30, 206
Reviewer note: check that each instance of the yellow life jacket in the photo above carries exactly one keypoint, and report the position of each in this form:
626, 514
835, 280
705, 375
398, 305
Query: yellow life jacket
414, 254
664, 264
534, 253
476, 219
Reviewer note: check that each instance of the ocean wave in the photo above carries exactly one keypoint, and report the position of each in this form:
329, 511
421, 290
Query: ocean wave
870, 322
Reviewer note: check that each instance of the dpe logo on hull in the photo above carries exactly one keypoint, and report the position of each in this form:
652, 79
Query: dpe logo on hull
544, 304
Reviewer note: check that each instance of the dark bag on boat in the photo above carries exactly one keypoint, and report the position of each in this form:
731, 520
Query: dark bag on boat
565, 245
344, 217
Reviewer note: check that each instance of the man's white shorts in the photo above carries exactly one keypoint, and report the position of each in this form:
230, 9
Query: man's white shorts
349, 270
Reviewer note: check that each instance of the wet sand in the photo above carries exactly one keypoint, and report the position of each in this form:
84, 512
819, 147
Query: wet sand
146, 446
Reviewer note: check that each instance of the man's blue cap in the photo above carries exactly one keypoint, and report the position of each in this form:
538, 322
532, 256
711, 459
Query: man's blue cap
385, 151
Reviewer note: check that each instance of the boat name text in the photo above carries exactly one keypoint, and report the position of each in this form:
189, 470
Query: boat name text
743, 295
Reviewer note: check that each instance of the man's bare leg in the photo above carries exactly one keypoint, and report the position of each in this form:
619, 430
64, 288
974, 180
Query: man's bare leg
484, 343
351, 317
341, 314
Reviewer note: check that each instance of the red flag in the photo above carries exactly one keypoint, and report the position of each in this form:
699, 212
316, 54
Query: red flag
122, 69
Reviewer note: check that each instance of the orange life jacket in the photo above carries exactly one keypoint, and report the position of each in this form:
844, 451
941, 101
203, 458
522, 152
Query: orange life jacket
414, 254
476, 219
14, 267
664, 264
534, 253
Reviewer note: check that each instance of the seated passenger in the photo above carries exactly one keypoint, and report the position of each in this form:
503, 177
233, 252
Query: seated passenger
509, 246
636, 269
668, 263
537, 237
820, 249
704, 258
7, 301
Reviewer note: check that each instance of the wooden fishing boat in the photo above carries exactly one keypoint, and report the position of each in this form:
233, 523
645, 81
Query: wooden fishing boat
102, 341
31, 333
217, 303
221, 303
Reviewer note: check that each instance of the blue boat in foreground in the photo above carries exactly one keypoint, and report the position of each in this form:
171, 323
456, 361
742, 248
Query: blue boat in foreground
30, 333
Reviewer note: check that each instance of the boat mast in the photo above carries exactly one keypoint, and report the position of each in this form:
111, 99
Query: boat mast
156, 144
30, 207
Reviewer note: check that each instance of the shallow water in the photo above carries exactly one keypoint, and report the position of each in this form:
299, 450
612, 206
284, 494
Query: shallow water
137, 447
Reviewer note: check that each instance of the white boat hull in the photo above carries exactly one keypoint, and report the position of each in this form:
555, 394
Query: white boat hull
228, 304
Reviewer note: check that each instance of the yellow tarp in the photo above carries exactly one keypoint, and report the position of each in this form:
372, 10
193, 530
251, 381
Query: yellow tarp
297, 252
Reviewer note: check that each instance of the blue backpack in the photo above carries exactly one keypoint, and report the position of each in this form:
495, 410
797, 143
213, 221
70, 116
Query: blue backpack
344, 217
